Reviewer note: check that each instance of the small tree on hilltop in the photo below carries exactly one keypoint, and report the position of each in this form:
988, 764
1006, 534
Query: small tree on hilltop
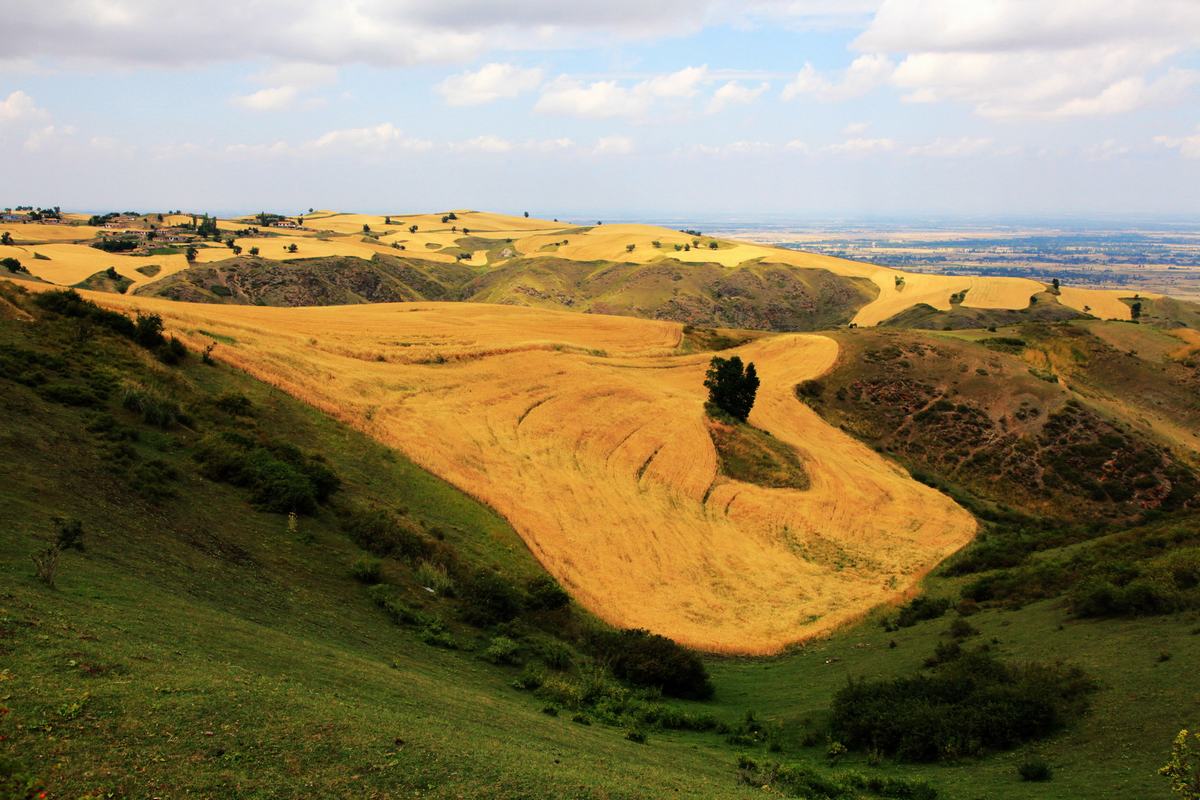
6, 238
731, 387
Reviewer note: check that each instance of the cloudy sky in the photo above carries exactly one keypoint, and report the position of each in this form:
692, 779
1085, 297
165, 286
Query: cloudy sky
620, 108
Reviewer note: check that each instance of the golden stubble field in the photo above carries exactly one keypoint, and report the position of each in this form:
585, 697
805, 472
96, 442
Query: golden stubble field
588, 434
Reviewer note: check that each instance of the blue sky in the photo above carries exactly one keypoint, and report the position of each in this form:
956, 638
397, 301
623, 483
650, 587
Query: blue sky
807, 108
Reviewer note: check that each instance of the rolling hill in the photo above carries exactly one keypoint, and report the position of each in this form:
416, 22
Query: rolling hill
640, 270
201, 642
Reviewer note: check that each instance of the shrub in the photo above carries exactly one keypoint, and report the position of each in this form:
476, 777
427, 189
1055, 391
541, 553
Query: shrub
45, 564
961, 629
69, 303
279, 476
381, 532
366, 569
69, 535
13, 265
545, 594
968, 705
234, 403
921, 608
1183, 768
115, 245
70, 394
153, 478
501, 650
804, 781
810, 389
148, 330
489, 599
1035, 770
171, 351
436, 577
552, 652
153, 407
647, 659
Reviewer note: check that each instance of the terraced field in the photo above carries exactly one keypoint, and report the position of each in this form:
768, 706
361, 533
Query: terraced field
588, 433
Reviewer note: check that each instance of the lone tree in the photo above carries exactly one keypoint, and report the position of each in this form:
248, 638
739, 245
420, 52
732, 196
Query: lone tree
731, 387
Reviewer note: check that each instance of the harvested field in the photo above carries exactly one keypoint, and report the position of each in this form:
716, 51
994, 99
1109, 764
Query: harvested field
588, 434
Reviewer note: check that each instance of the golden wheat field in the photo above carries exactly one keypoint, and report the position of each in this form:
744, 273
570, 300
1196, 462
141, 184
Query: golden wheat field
588, 434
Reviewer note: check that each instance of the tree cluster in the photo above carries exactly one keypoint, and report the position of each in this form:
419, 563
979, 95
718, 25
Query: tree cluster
731, 387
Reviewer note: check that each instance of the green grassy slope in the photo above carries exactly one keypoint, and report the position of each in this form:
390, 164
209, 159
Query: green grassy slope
198, 645
754, 296
336, 280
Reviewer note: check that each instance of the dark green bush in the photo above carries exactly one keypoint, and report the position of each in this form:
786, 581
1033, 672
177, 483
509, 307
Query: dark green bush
383, 533
647, 659
153, 407
921, 608
154, 479
236, 404
366, 570
115, 245
69, 393
171, 351
967, 705
69, 303
803, 781
279, 476
1035, 770
489, 599
545, 594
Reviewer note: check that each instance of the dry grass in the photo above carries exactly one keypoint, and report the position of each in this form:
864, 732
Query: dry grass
588, 434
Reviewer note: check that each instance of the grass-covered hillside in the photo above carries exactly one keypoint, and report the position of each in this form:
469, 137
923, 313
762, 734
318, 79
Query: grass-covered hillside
252, 600
329, 280
756, 296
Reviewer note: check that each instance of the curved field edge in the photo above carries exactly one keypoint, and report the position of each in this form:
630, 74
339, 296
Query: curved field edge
590, 438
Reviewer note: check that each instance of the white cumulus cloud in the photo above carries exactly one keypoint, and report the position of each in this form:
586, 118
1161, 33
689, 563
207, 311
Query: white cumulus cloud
608, 98
1188, 146
734, 93
864, 74
19, 107
489, 83
613, 146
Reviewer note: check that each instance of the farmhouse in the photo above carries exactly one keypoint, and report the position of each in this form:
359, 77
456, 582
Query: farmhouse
285, 223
